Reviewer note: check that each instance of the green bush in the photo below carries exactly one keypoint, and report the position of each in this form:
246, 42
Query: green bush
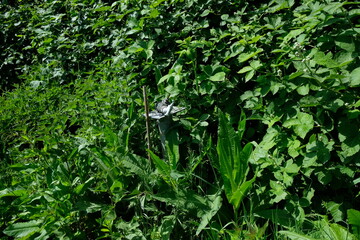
72, 132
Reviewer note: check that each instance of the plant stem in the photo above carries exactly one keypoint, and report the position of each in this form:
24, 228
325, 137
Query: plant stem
147, 121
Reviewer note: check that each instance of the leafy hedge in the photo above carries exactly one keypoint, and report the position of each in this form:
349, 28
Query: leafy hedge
284, 74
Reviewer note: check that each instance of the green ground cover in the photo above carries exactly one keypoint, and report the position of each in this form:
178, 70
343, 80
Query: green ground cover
267, 148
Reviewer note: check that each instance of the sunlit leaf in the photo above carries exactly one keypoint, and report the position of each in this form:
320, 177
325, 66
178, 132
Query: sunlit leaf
218, 77
23, 229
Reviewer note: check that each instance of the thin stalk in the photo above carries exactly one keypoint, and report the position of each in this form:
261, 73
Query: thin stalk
147, 121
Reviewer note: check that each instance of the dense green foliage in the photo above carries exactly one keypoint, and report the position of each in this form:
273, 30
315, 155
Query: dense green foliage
268, 147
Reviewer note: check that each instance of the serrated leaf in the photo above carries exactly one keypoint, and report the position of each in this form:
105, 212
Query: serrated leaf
291, 167
292, 34
293, 148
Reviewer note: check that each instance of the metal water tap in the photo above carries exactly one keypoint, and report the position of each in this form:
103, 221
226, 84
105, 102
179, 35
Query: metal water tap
163, 114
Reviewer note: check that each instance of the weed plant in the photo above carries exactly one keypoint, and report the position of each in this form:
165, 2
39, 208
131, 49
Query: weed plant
267, 148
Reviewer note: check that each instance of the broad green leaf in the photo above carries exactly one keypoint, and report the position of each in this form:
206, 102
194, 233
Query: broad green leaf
228, 150
160, 165
166, 227
277, 216
302, 124
293, 148
23, 229
9, 192
215, 205
348, 133
334, 209
241, 192
218, 77
345, 43
245, 69
338, 232
233, 161
172, 148
291, 167
104, 162
246, 56
277, 191
80, 189
102, 9
296, 236
355, 77
295, 75
291, 35
249, 75
353, 217
325, 60
303, 90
